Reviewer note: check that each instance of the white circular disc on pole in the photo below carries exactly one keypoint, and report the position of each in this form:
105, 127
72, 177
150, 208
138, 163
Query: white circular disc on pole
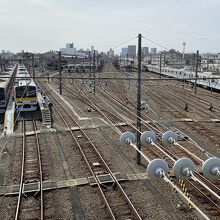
169, 137
127, 136
147, 137
156, 167
211, 168
183, 167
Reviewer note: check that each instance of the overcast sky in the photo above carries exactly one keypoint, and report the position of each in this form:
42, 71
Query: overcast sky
42, 25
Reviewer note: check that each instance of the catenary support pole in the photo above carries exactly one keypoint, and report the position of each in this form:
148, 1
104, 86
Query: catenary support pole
33, 66
160, 63
94, 69
196, 71
139, 101
60, 76
90, 64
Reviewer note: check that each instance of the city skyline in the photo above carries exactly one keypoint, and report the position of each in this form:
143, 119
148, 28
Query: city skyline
40, 26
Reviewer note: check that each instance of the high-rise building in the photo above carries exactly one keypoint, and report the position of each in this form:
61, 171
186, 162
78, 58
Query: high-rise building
69, 49
124, 52
131, 51
144, 51
70, 45
153, 51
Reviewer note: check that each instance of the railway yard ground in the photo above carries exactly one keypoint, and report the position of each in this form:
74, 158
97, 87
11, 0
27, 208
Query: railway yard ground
81, 169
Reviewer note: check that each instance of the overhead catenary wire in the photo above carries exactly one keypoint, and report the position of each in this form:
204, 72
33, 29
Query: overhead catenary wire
164, 127
135, 126
164, 176
124, 78
124, 43
154, 42
154, 144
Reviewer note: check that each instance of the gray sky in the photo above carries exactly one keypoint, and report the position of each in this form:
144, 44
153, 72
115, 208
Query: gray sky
42, 25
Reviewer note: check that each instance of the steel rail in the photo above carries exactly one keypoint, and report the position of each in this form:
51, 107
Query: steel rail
101, 158
176, 98
190, 182
198, 189
22, 171
199, 160
130, 111
178, 145
24, 143
189, 94
87, 162
40, 171
203, 130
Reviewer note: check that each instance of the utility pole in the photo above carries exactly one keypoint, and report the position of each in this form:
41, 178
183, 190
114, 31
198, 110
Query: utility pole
97, 64
196, 71
60, 76
28, 62
164, 60
33, 66
160, 64
118, 64
94, 71
139, 101
90, 64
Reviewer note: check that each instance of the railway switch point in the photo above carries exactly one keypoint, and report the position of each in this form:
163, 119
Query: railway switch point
148, 137
169, 137
157, 169
211, 168
183, 168
127, 137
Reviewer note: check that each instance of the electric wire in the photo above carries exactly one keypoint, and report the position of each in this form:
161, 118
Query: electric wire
147, 39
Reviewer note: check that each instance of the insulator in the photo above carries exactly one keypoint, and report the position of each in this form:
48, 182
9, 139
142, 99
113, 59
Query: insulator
148, 137
127, 137
211, 168
183, 168
157, 168
169, 138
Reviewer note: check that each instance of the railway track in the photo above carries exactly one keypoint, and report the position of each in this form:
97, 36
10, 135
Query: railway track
116, 200
176, 96
206, 198
198, 127
104, 111
150, 124
30, 205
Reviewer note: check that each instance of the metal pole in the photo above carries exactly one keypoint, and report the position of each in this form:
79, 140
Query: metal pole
90, 64
97, 61
94, 71
164, 60
60, 81
29, 62
33, 66
139, 101
196, 71
160, 64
